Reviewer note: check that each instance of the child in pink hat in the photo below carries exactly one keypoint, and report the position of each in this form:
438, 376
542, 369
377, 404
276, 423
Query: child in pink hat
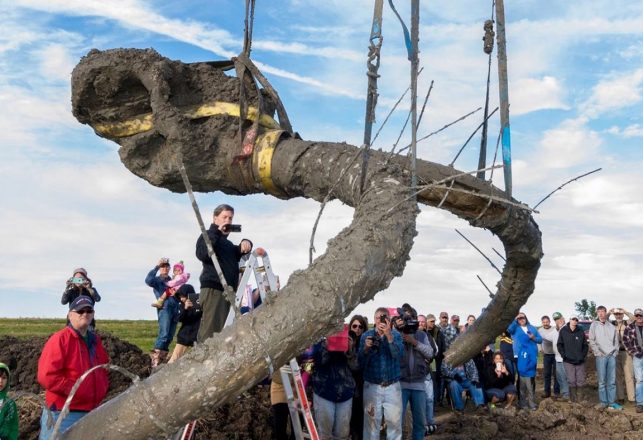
179, 279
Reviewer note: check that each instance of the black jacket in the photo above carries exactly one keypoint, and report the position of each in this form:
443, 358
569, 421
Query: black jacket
438, 338
228, 255
572, 345
189, 319
491, 379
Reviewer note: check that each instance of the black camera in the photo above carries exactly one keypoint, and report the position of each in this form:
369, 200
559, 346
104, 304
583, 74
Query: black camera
376, 342
231, 228
410, 326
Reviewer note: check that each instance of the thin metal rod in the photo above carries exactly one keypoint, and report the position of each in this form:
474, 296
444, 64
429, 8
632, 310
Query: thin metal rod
491, 294
565, 184
481, 253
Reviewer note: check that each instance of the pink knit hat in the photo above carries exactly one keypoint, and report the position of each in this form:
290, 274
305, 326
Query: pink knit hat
179, 266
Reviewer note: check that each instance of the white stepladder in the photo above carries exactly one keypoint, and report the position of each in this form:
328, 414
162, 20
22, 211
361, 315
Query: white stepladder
297, 401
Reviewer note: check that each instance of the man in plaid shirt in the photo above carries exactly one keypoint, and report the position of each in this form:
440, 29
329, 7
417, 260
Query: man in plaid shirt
633, 341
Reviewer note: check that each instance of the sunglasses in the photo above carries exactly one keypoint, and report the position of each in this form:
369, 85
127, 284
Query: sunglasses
639, 316
521, 317
360, 326
84, 311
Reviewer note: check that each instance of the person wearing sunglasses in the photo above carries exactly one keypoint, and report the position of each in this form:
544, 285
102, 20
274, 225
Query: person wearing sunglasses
526, 339
357, 326
633, 340
66, 356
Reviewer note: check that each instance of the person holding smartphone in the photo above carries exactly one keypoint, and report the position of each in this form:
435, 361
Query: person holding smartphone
499, 380
380, 354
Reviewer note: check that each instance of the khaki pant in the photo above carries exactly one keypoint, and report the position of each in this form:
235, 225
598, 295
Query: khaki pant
624, 376
215, 312
179, 350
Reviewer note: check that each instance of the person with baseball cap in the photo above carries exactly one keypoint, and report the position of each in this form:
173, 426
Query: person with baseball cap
624, 369
166, 315
573, 348
633, 340
66, 356
604, 343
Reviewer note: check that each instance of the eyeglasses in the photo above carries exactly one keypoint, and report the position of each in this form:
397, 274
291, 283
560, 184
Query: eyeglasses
84, 311
356, 326
433, 321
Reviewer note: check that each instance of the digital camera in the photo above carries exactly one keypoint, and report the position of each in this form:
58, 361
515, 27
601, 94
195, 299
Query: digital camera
78, 280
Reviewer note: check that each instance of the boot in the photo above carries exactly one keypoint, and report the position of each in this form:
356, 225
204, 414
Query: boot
573, 394
159, 302
162, 356
155, 356
583, 395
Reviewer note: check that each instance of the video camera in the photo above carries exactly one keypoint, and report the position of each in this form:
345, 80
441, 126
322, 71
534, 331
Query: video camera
231, 228
410, 326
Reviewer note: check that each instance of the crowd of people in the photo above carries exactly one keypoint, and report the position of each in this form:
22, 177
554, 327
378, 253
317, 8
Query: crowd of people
367, 384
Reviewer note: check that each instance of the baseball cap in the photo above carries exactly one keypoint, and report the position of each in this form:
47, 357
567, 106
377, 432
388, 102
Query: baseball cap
455, 317
81, 302
575, 318
430, 317
557, 315
638, 312
444, 315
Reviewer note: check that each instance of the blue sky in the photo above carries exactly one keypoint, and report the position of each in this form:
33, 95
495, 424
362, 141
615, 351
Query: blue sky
575, 87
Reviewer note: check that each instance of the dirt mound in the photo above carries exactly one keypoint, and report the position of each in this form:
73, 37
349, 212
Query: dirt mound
551, 420
248, 417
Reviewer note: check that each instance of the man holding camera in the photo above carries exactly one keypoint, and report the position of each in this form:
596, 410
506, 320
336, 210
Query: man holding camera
414, 368
380, 353
213, 302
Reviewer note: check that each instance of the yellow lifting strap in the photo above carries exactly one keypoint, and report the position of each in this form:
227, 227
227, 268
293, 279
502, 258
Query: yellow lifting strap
142, 123
262, 159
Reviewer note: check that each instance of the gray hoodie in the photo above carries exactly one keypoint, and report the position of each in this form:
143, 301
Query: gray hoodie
603, 339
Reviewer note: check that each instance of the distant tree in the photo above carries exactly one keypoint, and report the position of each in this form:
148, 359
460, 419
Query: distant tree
586, 309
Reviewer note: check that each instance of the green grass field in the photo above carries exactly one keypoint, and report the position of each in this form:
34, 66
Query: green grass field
141, 333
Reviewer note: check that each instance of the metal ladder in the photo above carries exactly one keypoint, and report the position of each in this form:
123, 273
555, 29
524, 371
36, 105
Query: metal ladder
297, 402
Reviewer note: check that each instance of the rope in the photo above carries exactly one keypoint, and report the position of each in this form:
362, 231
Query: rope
373, 65
488, 49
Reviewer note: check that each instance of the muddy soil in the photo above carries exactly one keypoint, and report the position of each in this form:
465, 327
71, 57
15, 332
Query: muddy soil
248, 417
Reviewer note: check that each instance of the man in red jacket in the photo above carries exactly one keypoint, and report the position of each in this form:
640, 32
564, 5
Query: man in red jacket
68, 354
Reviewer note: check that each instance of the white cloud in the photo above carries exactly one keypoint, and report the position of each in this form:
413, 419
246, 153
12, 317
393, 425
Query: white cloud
631, 131
531, 94
568, 145
616, 91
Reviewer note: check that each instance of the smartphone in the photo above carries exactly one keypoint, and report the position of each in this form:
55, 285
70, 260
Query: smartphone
78, 280
383, 319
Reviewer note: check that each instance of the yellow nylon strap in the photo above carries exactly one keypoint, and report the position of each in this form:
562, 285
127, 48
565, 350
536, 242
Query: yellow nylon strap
262, 159
143, 123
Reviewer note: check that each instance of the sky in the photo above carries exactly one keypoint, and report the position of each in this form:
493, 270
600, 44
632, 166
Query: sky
576, 104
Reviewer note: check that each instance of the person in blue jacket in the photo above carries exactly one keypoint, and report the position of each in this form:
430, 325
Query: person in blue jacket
526, 339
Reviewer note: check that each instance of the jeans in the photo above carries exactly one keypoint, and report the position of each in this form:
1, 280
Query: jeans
606, 377
549, 370
456, 393
387, 401
332, 418
562, 379
637, 363
167, 325
72, 417
418, 410
430, 399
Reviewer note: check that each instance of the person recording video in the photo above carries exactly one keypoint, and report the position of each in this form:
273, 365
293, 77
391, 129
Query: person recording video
215, 306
